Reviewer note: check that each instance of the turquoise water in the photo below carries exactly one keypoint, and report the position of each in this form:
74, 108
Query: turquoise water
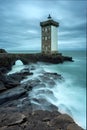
69, 96
73, 90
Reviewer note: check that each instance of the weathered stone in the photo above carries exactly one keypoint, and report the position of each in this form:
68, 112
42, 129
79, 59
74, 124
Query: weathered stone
65, 118
43, 104
73, 126
2, 87
12, 119
11, 84
31, 84
2, 77
15, 127
19, 76
61, 121
50, 77
7, 60
12, 94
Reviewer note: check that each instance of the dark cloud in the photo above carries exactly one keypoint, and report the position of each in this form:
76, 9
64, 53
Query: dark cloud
20, 22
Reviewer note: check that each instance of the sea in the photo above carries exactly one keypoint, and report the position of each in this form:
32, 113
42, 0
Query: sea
70, 95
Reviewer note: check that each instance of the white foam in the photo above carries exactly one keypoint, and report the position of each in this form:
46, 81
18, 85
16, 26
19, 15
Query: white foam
72, 98
17, 67
68, 96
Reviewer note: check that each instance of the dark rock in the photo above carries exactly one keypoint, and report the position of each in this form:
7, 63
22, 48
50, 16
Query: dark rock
20, 75
2, 77
26, 72
3, 51
12, 94
63, 118
3, 70
66, 58
42, 104
16, 77
62, 121
14, 127
2, 87
44, 78
12, 119
7, 60
53, 75
13, 80
11, 84
50, 78
31, 84
73, 126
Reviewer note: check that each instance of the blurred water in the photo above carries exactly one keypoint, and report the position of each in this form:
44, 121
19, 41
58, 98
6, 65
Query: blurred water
70, 95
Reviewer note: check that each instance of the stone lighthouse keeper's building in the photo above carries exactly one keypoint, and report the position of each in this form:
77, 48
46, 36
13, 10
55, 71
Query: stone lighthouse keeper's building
49, 36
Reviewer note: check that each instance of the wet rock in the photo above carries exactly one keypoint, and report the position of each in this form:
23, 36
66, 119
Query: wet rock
44, 78
12, 94
8, 81
2, 87
31, 84
47, 76
11, 84
32, 67
51, 83
21, 75
16, 77
2, 77
66, 58
53, 75
13, 80
39, 102
26, 72
3, 70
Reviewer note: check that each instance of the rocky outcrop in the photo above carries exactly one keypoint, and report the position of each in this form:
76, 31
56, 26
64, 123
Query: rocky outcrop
7, 60
3, 51
10, 93
2, 87
12, 80
17, 112
13, 119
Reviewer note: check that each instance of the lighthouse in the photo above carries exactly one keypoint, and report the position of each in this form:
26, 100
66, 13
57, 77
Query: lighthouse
49, 36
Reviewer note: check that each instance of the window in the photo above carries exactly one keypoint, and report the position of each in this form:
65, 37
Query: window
49, 28
45, 38
45, 29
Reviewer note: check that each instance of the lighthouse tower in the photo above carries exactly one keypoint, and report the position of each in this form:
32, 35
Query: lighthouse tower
49, 36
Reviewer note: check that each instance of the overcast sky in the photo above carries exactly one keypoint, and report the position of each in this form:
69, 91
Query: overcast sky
20, 23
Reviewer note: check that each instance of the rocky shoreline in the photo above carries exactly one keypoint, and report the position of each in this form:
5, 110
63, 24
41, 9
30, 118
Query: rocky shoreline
8, 59
17, 112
